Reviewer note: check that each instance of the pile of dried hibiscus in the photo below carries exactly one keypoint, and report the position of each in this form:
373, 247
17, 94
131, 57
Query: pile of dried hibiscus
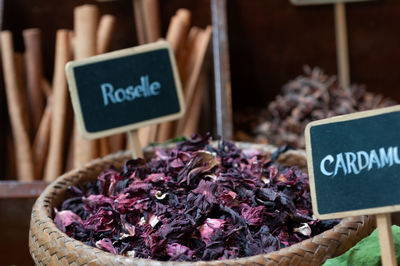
193, 202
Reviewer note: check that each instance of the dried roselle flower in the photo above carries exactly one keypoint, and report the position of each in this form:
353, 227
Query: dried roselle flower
209, 228
106, 245
253, 215
193, 202
63, 219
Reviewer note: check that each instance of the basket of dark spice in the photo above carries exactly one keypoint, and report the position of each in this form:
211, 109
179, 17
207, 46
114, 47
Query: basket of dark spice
197, 203
309, 97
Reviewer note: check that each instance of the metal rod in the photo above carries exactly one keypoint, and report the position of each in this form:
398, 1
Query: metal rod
223, 95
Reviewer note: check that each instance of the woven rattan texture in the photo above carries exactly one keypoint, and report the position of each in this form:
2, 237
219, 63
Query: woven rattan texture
49, 246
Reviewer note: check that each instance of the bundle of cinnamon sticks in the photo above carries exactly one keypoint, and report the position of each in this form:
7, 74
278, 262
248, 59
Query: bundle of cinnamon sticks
46, 141
190, 45
40, 114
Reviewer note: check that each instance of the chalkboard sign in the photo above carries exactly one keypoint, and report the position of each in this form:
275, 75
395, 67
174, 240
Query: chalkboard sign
124, 90
354, 163
321, 2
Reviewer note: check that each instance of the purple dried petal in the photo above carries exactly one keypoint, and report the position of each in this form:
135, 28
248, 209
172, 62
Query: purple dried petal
102, 220
125, 203
177, 163
138, 187
155, 178
157, 245
253, 215
64, 219
106, 245
273, 171
227, 197
108, 180
207, 189
202, 162
94, 202
176, 249
209, 228
195, 143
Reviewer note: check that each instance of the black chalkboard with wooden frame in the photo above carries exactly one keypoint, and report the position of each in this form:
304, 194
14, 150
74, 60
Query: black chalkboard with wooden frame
354, 163
124, 90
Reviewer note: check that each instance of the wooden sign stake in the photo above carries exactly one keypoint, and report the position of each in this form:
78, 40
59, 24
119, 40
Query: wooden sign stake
134, 142
342, 50
388, 254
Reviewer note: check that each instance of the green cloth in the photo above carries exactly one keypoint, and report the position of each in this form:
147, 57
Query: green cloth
366, 252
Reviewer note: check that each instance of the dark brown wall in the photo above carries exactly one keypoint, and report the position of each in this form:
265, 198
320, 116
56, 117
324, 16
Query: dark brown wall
270, 41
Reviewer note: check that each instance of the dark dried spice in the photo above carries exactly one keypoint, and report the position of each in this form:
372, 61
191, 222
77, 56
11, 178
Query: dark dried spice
193, 202
309, 97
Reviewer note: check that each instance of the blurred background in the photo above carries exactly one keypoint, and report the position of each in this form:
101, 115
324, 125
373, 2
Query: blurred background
269, 43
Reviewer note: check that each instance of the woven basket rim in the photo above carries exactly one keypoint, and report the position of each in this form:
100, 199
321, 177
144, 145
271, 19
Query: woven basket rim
44, 209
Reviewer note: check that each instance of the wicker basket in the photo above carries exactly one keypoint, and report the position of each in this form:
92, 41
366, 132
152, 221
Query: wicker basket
49, 246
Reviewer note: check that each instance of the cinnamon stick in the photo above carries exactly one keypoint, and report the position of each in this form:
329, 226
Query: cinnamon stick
69, 163
151, 16
42, 140
199, 51
85, 26
147, 134
86, 19
72, 43
55, 158
25, 169
46, 87
104, 33
147, 20
116, 142
139, 21
23, 97
34, 71
104, 147
193, 111
188, 58
178, 29
176, 36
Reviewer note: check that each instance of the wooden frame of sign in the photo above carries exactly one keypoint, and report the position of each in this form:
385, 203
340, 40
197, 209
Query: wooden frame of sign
327, 132
133, 98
